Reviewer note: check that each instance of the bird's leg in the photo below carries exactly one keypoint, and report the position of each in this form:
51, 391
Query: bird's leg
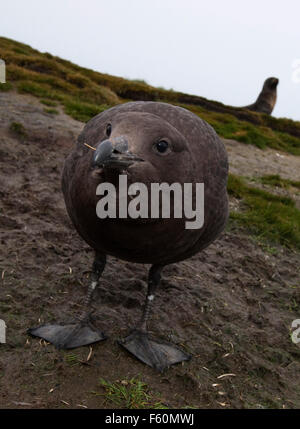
79, 333
158, 355
153, 281
97, 270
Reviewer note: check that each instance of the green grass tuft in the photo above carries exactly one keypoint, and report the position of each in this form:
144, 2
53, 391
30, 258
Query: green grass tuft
129, 394
269, 217
72, 359
33, 88
76, 108
82, 111
18, 129
49, 103
276, 180
5, 86
51, 111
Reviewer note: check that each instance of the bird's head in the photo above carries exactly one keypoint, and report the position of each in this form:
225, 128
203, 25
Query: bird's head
142, 146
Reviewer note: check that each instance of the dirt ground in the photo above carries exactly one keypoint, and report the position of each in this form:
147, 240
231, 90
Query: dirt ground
250, 161
230, 306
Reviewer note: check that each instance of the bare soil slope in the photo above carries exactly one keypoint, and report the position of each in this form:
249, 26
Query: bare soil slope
231, 306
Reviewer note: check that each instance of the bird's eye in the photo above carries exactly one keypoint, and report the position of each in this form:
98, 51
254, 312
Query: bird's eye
108, 130
161, 146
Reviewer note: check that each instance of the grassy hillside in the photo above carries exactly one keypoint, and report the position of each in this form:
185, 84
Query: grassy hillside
264, 214
84, 93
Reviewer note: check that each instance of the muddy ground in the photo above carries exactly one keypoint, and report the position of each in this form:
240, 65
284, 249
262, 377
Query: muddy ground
230, 306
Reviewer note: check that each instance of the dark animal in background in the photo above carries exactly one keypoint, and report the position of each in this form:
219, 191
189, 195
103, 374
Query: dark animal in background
150, 142
266, 100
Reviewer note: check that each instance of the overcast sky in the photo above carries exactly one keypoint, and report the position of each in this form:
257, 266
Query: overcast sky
222, 50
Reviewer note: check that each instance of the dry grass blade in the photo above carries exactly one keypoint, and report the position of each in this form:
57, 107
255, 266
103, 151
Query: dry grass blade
90, 147
226, 375
90, 354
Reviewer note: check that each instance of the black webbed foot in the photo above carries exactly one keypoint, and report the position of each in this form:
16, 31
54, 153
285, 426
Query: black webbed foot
158, 355
81, 332
68, 336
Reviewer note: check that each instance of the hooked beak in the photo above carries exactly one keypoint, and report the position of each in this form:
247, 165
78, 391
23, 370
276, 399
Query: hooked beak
114, 154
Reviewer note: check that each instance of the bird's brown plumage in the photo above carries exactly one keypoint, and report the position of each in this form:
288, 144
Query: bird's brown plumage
197, 156
152, 143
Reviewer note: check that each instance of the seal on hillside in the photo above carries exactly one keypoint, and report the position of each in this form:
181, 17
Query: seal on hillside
266, 100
